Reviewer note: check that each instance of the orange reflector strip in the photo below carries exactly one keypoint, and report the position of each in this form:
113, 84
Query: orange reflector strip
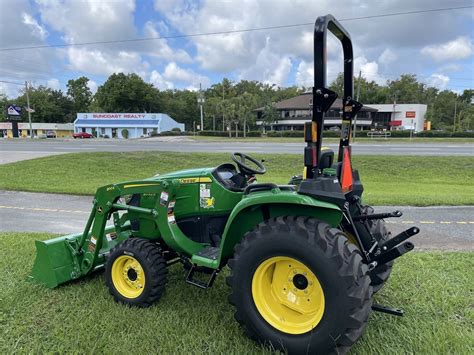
346, 176
314, 132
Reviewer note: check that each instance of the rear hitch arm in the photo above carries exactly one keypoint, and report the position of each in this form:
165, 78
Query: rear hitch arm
388, 310
365, 217
399, 238
393, 253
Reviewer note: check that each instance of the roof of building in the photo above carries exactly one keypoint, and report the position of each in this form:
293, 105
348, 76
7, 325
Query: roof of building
301, 102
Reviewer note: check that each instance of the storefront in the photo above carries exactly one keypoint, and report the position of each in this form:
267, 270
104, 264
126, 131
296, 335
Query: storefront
40, 130
124, 125
400, 117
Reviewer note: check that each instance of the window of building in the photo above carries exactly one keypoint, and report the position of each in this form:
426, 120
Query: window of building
144, 131
382, 120
102, 130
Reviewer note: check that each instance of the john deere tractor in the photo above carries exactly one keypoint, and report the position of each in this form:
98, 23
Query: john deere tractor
305, 258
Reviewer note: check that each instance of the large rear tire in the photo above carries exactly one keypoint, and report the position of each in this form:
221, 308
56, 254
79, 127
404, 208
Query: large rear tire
136, 272
300, 286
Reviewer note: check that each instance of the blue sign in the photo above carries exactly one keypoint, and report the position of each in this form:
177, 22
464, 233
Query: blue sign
14, 110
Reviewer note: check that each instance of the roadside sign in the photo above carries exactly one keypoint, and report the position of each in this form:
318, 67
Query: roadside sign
410, 114
14, 110
30, 110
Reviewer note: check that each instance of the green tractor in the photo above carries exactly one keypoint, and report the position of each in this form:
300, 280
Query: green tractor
304, 258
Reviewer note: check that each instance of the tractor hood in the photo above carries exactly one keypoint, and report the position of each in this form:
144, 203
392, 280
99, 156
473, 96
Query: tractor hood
188, 173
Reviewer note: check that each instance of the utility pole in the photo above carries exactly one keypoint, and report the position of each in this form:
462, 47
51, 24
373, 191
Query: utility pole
223, 108
454, 119
201, 102
357, 99
28, 108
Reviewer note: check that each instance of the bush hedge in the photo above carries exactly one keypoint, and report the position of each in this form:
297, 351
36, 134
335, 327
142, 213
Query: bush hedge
300, 134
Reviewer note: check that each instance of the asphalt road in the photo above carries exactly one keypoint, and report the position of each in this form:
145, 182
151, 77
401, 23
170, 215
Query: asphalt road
442, 228
22, 149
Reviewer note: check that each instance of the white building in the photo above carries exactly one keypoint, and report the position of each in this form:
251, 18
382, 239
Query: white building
114, 125
294, 112
399, 116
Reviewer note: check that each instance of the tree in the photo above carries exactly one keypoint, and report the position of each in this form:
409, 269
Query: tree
80, 94
370, 91
406, 90
269, 115
180, 105
245, 105
49, 105
3, 104
441, 111
127, 93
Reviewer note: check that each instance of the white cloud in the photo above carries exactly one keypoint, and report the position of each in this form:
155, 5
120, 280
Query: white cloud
53, 84
460, 48
17, 29
159, 82
388, 56
92, 85
96, 62
439, 81
369, 70
36, 30
160, 48
175, 73
268, 67
304, 74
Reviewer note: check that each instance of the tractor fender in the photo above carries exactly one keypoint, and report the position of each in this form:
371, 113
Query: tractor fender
257, 207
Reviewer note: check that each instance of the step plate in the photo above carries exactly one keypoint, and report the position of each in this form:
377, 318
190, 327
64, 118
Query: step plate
211, 253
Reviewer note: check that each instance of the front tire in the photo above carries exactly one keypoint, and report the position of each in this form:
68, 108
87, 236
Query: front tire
299, 285
136, 272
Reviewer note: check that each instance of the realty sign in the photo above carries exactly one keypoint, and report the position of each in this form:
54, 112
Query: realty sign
14, 110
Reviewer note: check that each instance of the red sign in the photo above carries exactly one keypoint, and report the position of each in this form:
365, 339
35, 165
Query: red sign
395, 123
410, 114
118, 115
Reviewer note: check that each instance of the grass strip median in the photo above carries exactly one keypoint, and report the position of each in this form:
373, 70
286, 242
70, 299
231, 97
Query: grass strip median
388, 180
434, 288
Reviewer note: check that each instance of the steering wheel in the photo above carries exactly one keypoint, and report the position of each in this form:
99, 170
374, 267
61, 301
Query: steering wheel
240, 160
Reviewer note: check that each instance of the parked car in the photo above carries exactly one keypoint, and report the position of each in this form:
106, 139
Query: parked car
50, 134
82, 135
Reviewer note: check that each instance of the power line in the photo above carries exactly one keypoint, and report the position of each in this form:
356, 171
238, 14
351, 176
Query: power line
11, 82
59, 45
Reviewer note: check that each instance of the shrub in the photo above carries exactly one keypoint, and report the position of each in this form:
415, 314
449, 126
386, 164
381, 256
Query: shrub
125, 133
463, 134
285, 134
214, 133
176, 129
169, 133
332, 134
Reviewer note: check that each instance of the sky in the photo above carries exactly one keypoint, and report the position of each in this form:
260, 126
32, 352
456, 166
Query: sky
438, 46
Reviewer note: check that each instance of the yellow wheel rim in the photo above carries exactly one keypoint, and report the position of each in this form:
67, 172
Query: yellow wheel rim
128, 276
288, 295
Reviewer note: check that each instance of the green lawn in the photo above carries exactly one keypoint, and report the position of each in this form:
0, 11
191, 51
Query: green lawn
389, 180
435, 289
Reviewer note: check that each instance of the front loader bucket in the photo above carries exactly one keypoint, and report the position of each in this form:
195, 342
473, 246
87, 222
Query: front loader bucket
54, 263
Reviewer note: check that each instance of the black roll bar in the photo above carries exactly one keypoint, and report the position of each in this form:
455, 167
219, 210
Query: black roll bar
323, 98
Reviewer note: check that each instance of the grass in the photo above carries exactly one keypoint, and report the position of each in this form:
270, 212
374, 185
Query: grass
388, 180
435, 289
359, 139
